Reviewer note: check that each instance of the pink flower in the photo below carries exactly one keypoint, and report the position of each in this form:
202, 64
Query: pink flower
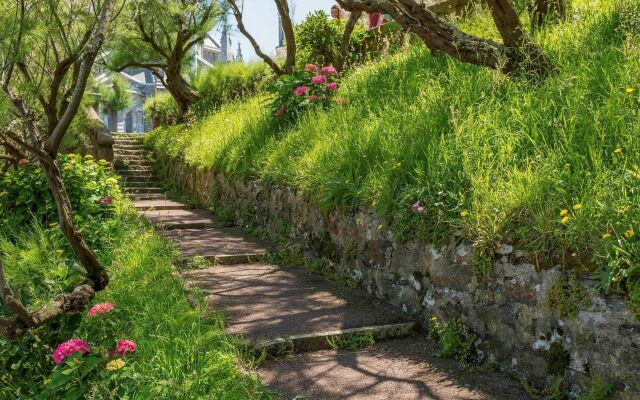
69, 347
300, 90
416, 205
281, 110
332, 86
328, 71
420, 210
313, 98
311, 68
317, 80
100, 309
125, 346
106, 201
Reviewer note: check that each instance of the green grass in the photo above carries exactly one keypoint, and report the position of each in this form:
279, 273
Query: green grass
464, 139
181, 352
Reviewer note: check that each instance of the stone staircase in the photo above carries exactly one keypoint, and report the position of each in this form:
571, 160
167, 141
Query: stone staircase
296, 317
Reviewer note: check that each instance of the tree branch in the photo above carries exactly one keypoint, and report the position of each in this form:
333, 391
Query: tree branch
88, 58
256, 47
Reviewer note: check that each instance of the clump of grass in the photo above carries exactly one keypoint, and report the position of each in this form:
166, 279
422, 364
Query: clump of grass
494, 157
454, 337
351, 342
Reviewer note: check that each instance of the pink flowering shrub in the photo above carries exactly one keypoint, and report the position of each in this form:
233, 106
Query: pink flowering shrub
98, 358
311, 87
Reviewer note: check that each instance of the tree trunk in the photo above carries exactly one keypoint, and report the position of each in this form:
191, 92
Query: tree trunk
517, 54
180, 89
289, 35
345, 41
95, 270
542, 11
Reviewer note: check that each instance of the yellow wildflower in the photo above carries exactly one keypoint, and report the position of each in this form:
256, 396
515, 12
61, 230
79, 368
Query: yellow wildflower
629, 90
434, 318
398, 165
380, 227
464, 213
606, 235
577, 206
618, 150
629, 233
574, 254
564, 220
564, 212
115, 365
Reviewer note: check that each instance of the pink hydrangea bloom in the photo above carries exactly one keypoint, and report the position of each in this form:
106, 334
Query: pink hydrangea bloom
311, 68
300, 90
281, 110
332, 86
317, 80
125, 346
69, 347
328, 71
106, 201
100, 309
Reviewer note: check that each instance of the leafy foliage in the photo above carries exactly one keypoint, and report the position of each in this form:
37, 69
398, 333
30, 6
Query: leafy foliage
455, 338
318, 39
25, 195
115, 97
216, 86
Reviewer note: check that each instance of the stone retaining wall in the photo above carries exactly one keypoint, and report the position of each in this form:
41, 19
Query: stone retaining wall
508, 309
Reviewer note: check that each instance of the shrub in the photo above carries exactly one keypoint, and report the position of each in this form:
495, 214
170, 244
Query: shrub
218, 85
455, 338
312, 87
318, 39
163, 109
228, 82
91, 186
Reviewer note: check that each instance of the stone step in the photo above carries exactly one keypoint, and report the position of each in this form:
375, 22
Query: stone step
130, 164
118, 146
220, 246
147, 196
316, 341
146, 205
128, 141
125, 153
182, 219
134, 184
263, 301
399, 369
143, 190
134, 171
139, 177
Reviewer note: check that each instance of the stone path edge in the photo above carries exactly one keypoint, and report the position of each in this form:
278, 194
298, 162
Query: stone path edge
317, 341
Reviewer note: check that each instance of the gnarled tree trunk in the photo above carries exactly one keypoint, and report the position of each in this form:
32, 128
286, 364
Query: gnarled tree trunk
518, 54
96, 272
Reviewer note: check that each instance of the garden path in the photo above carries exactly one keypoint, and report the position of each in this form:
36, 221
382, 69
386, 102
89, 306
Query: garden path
296, 317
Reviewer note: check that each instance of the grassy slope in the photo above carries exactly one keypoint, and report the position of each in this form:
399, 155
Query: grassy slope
180, 353
457, 137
